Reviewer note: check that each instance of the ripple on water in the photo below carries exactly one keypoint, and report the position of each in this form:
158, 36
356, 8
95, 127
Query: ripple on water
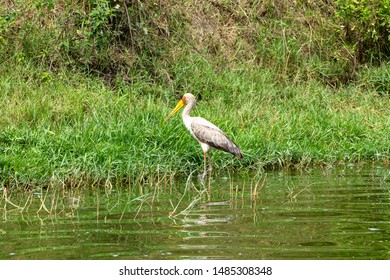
337, 215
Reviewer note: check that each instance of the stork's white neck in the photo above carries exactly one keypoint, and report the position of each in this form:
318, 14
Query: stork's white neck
187, 118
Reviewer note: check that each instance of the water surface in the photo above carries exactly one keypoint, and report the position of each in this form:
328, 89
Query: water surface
324, 213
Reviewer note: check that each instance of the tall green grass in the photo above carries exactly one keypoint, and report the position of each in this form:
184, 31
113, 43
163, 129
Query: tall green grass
74, 129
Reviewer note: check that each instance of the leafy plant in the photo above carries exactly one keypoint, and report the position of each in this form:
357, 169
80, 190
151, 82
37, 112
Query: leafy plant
366, 24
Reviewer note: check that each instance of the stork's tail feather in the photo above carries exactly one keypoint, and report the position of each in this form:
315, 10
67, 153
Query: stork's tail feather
236, 151
232, 148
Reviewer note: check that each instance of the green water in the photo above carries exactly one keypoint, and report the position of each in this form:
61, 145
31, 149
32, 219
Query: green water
335, 213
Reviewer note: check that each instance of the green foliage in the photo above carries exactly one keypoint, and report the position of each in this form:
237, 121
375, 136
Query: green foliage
376, 78
127, 41
98, 24
103, 37
261, 70
367, 24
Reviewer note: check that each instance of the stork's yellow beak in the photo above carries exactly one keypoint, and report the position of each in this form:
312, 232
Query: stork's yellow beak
177, 108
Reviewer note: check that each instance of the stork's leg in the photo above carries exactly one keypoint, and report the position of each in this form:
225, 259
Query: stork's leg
210, 164
204, 166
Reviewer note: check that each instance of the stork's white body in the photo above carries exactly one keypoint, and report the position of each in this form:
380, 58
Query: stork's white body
207, 134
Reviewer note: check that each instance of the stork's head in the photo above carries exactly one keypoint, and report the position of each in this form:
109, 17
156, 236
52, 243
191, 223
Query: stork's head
187, 99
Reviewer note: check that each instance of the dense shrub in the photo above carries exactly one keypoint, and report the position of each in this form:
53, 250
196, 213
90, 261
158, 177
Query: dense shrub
123, 40
367, 26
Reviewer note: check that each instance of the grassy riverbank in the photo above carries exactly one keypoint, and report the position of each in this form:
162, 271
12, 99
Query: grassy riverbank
81, 130
84, 90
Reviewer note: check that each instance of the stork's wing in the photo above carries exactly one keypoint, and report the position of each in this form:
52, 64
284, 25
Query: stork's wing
210, 134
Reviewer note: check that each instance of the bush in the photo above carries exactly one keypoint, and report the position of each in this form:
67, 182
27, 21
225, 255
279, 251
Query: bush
127, 41
367, 25
104, 37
